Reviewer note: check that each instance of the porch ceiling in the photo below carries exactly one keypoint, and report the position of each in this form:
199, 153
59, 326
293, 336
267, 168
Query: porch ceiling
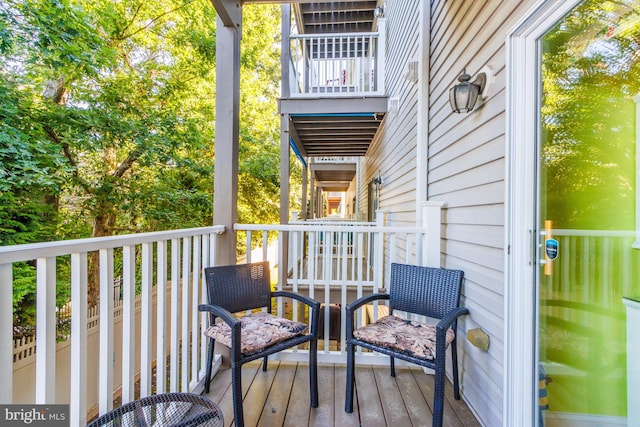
333, 176
334, 127
335, 16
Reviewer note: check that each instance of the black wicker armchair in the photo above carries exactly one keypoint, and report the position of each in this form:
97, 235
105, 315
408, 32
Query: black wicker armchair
431, 292
236, 289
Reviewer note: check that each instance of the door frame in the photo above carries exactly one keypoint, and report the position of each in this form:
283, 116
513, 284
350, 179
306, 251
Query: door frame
521, 155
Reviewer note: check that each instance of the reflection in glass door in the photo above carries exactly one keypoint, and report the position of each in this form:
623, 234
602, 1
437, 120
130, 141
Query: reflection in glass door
588, 198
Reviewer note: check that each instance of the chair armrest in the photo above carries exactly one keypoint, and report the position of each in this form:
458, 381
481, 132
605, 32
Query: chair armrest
313, 304
365, 300
450, 317
306, 300
351, 308
441, 329
220, 312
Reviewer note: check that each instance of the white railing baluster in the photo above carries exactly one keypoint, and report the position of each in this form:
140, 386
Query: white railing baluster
175, 315
46, 330
195, 316
128, 322
206, 248
248, 243
78, 395
6, 333
161, 317
105, 399
146, 322
186, 292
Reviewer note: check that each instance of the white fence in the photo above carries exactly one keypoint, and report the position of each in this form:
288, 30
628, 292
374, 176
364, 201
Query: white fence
338, 64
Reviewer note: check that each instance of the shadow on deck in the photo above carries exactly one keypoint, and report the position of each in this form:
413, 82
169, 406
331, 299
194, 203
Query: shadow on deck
280, 397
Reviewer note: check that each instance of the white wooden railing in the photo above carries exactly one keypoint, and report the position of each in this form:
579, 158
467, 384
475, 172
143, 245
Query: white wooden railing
160, 345
350, 64
171, 259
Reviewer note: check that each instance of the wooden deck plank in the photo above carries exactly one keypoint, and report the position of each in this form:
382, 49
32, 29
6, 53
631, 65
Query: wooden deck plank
395, 411
280, 397
299, 409
256, 398
449, 418
368, 398
418, 409
323, 415
342, 418
276, 404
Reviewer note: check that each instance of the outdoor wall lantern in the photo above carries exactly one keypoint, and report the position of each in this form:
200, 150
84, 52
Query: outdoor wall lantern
378, 12
464, 95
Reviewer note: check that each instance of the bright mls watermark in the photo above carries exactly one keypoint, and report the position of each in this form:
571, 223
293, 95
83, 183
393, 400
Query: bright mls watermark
34, 415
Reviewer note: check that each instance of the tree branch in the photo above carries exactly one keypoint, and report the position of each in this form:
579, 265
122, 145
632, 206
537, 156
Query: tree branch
67, 153
154, 20
128, 162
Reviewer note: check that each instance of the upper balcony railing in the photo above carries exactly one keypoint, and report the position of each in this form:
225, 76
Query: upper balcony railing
337, 65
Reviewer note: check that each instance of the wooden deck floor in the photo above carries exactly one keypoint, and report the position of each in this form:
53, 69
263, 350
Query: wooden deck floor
280, 397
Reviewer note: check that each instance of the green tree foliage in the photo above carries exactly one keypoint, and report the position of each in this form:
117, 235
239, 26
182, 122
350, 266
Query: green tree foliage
107, 112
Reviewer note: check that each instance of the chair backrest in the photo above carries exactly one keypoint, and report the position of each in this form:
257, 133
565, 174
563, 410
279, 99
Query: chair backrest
239, 287
427, 291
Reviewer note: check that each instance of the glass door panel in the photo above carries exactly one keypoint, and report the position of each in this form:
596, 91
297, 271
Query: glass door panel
588, 199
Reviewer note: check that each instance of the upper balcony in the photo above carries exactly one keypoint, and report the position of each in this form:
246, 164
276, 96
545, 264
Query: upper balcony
333, 78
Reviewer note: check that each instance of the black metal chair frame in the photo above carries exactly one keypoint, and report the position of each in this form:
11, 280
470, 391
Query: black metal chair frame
143, 412
237, 288
431, 292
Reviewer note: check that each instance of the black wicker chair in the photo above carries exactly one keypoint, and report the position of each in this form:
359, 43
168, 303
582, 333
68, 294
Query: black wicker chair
168, 410
238, 288
431, 292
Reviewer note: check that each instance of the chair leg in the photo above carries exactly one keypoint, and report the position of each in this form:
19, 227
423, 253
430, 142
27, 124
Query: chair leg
207, 378
313, 373
392, 365
236, 384
454, 361
265, 361
438, 397
351, 379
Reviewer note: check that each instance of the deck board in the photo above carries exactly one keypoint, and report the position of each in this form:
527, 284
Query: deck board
280, 397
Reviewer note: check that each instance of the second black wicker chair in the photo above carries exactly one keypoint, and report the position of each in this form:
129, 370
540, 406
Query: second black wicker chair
246, 287
430, 292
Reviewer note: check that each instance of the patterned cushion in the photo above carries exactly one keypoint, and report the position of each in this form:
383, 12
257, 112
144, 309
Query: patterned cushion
407, 336
259, 330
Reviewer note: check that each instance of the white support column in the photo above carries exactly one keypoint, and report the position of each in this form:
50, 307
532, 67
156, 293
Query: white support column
431, 241
78, 394
46, 330
382, 55
422, 125
6, 333
225, 209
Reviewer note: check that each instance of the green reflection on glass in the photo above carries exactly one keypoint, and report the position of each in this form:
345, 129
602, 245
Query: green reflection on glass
590, 74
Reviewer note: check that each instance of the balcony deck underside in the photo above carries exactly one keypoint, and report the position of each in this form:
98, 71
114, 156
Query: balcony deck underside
280, 397
334, 126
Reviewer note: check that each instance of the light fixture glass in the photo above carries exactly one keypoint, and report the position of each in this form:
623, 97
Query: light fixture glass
463, 96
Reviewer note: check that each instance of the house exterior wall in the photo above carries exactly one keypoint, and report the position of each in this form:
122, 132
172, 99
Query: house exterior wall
466, 165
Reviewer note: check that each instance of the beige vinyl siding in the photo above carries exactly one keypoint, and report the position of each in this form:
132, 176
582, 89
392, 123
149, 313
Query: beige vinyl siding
393, 152
467, 171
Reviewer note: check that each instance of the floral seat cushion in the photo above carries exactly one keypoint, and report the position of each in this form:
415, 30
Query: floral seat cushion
410, 337
259, 331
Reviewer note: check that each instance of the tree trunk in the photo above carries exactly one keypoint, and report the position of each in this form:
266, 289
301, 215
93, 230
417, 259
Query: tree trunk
103, 224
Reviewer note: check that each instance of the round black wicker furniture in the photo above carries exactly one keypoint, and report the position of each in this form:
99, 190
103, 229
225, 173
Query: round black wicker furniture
168, 409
